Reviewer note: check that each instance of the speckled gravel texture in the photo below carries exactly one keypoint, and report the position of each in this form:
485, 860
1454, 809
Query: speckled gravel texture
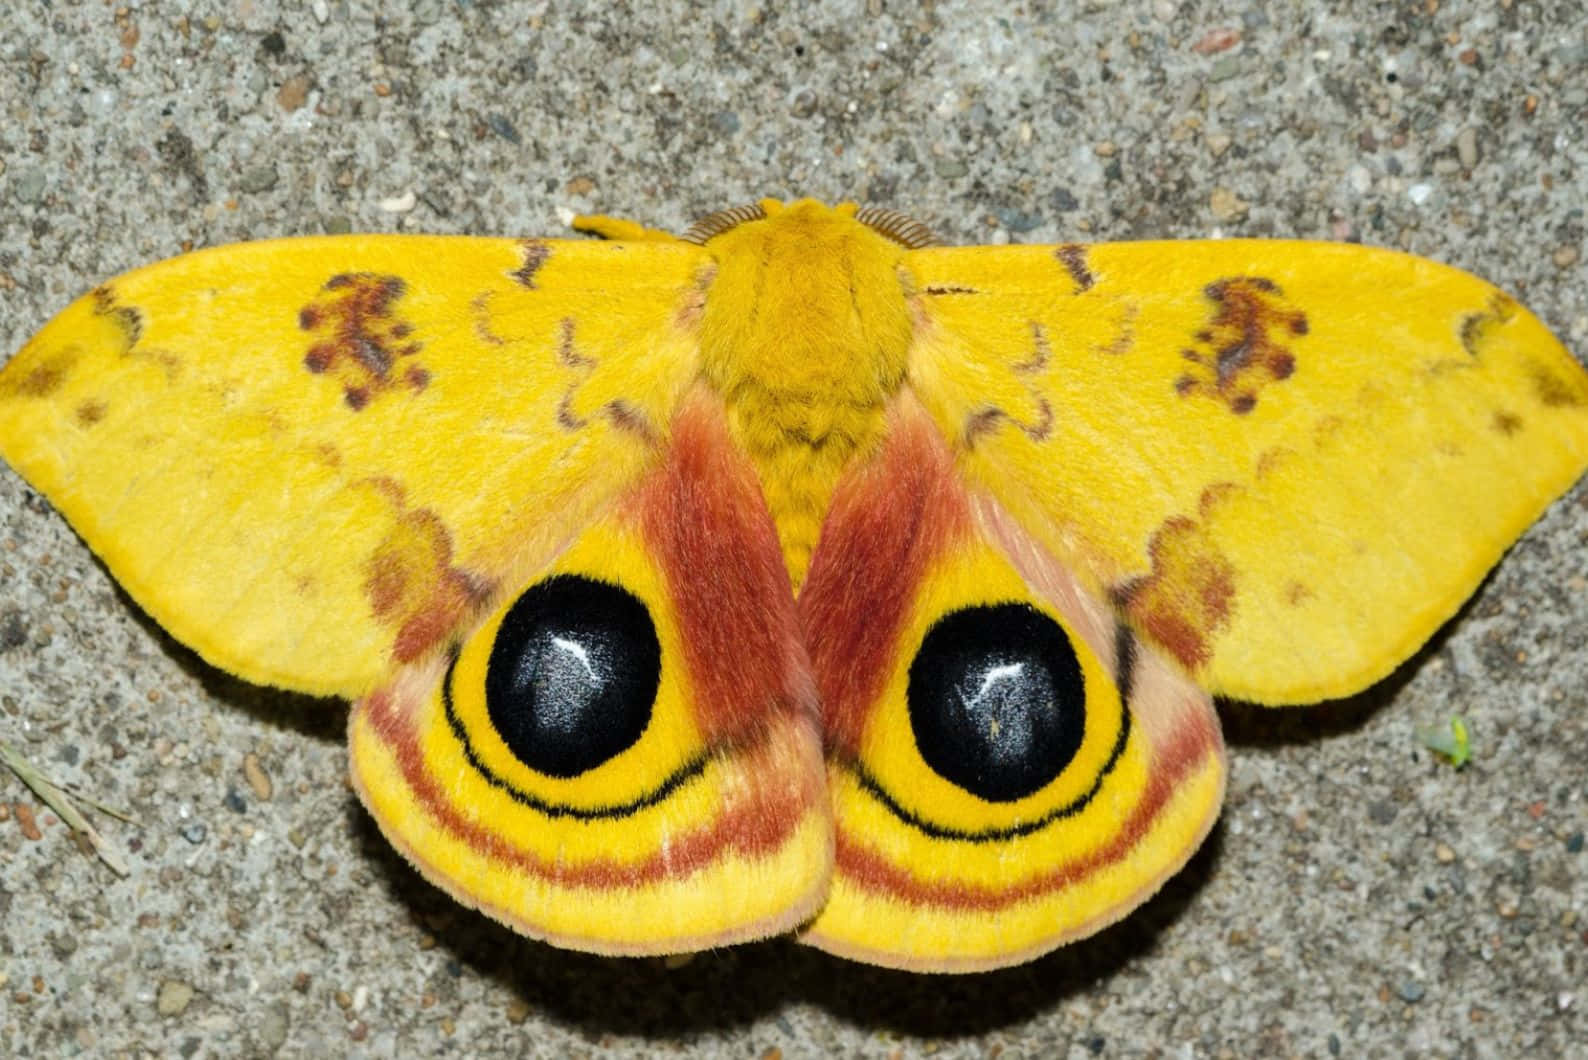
1360, 898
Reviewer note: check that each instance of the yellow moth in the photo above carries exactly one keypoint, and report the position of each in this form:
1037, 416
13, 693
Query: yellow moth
798, 574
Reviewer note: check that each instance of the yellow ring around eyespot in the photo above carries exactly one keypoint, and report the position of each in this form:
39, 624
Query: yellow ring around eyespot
670, 742
968, 577
628, 838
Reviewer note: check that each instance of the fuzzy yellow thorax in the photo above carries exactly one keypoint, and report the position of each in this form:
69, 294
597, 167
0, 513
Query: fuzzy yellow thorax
806, 333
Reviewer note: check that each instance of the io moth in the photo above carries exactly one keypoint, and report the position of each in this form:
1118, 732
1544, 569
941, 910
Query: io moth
797, 574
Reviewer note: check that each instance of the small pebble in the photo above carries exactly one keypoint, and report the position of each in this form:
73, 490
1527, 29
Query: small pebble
518, 1011
173, 998
1225, 69
273, 1027
1574, 843
1443, 853
1564, 256
503, 128
257, 778
195, 833
30, 186
25, 820
1226, 205
1467, 147
1063, 200
1419, 193
234, 801
294, 92
1016, 220
399, 203
1411, 991
257, 179
1217, 40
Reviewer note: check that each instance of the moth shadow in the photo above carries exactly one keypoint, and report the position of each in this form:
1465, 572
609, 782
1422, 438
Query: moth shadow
602, 998
322, 718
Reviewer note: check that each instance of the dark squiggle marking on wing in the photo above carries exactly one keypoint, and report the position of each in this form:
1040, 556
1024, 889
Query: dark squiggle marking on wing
1240, 349
1039, 427
361, 338
1073, 257
620, 413
1477, 328
535, 253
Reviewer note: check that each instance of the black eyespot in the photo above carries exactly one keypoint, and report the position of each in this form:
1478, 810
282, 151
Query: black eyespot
997, 700
573, 674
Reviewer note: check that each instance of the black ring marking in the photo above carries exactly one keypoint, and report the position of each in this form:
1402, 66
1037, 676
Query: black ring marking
678, 778
992, 835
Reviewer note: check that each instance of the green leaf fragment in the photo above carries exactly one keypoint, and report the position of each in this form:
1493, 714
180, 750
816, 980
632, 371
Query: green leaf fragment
1450, 741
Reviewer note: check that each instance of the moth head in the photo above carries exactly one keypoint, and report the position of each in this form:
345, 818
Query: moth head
790, 284
893, 225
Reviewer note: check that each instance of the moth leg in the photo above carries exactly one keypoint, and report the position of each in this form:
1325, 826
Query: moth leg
618, 228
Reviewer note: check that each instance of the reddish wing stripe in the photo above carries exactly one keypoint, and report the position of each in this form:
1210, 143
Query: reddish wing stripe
710, 532
887, 524
875, 873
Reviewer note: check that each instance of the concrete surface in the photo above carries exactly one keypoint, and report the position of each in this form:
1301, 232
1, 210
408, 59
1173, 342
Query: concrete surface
1359, 899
